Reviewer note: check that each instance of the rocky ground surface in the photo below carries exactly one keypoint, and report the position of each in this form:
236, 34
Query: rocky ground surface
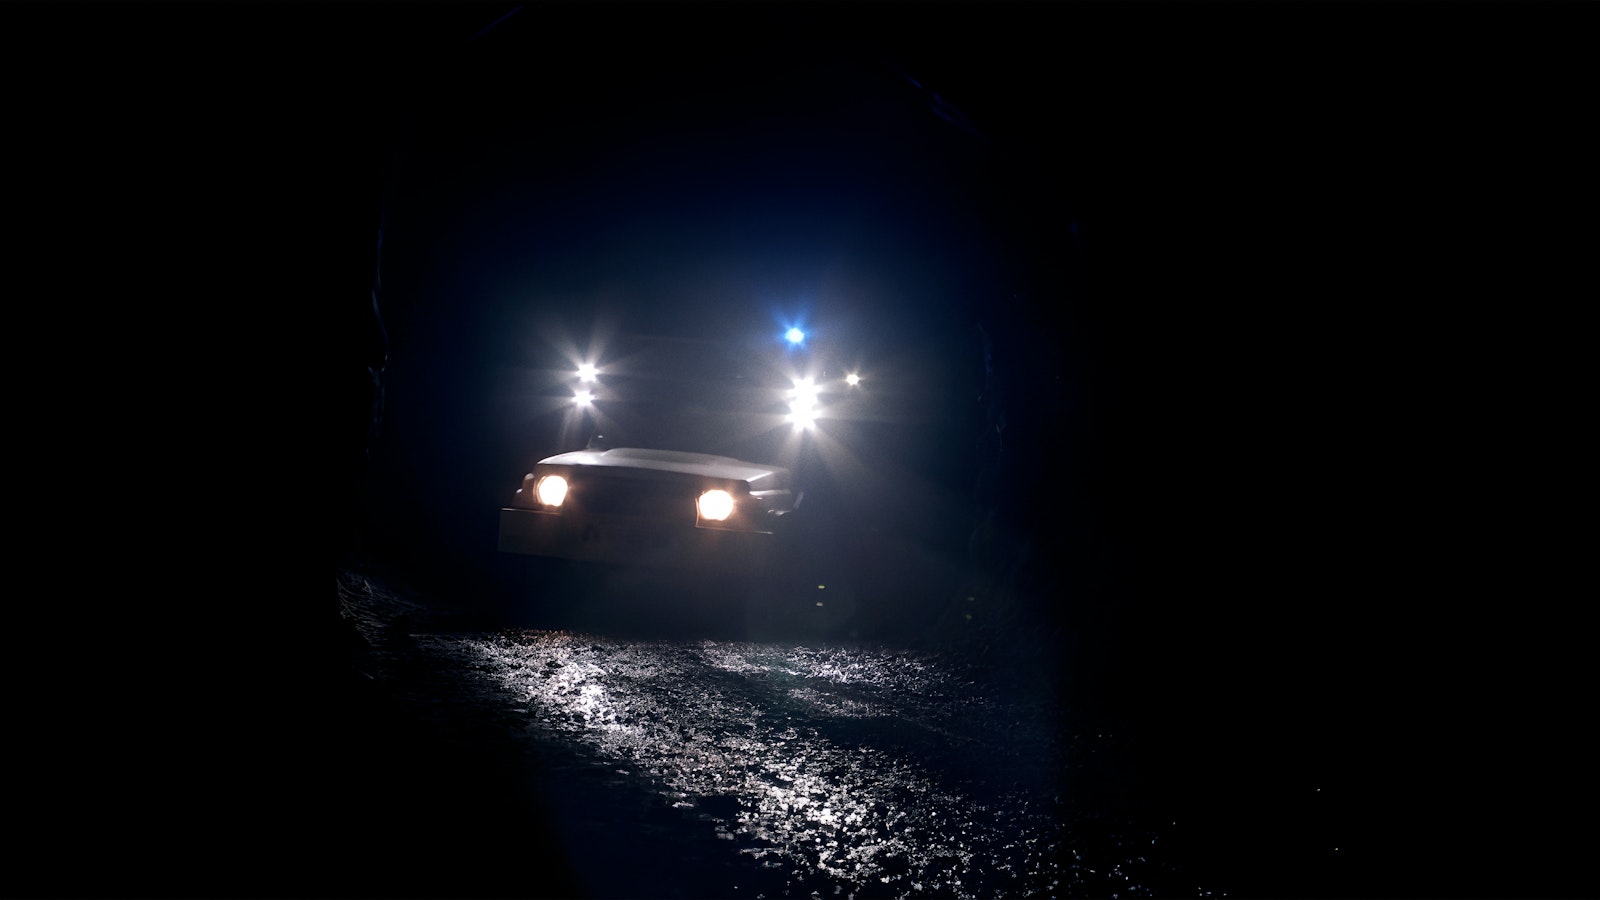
633, 767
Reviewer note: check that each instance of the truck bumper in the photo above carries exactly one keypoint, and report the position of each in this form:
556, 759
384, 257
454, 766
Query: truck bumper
612, 541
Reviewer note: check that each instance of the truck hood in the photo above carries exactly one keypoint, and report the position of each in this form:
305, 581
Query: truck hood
757, 475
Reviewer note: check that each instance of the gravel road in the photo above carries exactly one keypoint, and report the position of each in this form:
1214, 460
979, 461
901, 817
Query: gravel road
708, 768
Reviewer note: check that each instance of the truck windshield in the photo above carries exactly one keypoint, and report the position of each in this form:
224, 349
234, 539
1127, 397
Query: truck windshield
695, 395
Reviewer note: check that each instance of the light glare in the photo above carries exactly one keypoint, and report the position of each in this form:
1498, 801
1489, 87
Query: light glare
716, 505
803, 403
795, 335
583, 398
587, 372
551, 490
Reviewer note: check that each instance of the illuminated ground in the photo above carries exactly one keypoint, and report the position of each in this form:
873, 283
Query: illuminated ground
697, 768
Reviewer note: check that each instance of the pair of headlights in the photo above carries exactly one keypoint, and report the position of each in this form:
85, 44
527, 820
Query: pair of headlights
715, 505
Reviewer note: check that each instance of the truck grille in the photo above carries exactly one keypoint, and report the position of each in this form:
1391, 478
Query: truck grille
635, 498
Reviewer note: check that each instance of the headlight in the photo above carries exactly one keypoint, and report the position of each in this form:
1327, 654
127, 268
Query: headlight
803, 403
715, 505
805, 392
551, 490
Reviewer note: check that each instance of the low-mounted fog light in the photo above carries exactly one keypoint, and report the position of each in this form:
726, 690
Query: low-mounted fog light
715, 505
551, 490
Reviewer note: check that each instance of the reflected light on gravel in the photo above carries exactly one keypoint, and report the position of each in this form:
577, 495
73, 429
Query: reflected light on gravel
841, 772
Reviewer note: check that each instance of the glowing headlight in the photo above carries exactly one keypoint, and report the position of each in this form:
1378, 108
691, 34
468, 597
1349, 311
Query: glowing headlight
803, 403
587, 372
715, 505
551, 490
583, 398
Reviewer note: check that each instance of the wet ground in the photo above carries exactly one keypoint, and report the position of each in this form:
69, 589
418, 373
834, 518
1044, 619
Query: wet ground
461, 758
680, 767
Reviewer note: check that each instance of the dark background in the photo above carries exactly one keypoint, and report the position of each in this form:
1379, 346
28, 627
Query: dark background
1295, 305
